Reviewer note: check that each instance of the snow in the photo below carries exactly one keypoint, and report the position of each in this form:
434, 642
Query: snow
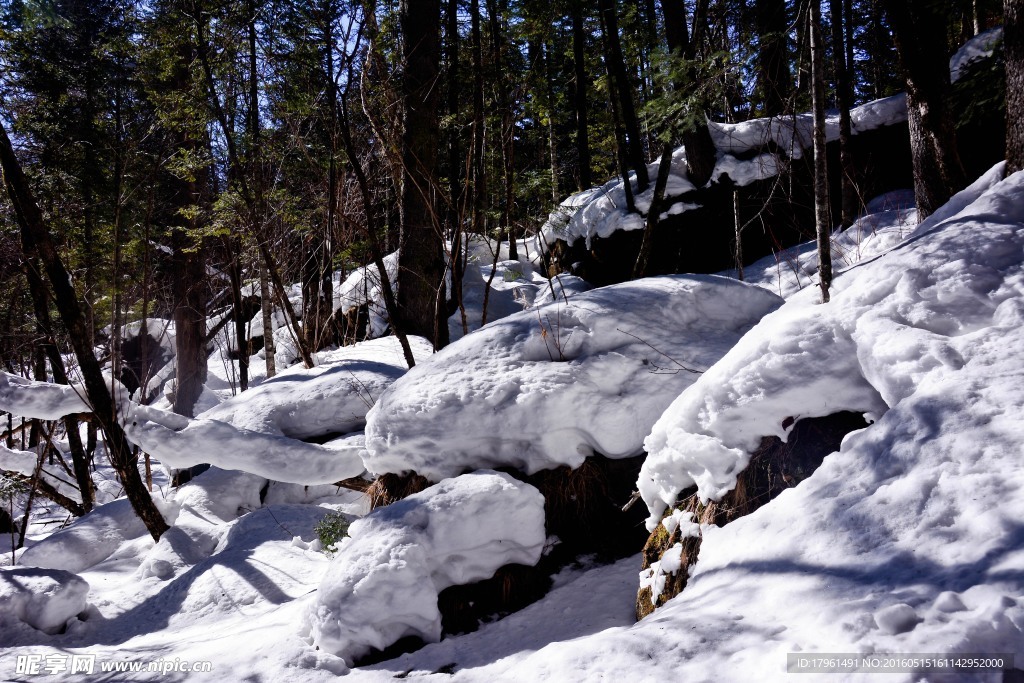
45, 599
363, 287
259, 430
180, 442
384, 583
41, 400
331, 398
892, 321
551, 385
90, 540
979, 47
908, 539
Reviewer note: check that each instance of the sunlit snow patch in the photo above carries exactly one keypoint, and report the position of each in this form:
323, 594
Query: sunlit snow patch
552, 385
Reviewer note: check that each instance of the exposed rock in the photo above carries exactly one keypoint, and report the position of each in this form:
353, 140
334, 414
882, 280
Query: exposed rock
774, 467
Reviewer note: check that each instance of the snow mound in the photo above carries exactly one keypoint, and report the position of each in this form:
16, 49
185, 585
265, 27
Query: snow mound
897, 323
363, 287
600, 211
384, 583
332, 398
90, 540
45, 599
551, 385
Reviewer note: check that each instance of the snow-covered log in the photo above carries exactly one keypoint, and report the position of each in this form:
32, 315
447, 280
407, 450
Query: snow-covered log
40, 400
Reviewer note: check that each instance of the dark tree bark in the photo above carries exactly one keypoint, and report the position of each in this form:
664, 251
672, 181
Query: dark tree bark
700, 149
40, 305
844, 97
188, 265
36, 239
421, 296
579, 44
654, 213
822, 217
1013, 44
919, 29
507, 132
622, 90
774, 84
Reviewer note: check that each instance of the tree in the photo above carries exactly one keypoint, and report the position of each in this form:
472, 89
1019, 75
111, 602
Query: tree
844, 99
620, 93
36, 240
919, 29
773, 79
421, 296
1013, 42
822, 216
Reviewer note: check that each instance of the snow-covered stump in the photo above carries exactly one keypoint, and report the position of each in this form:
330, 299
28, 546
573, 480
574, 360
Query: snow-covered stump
45, 599
384, 583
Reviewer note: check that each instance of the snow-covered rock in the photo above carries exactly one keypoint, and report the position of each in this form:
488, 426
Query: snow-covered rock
384, 582
551, 385
45, 599
331, 398
895, 323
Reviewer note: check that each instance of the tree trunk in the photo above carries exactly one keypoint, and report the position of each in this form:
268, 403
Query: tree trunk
619, 77
421, 295
579, 42
267, 307
844, 97
79, 458
1013, 42
822, 217
919, 29
654, 213
701, 154
773, 81
36, 239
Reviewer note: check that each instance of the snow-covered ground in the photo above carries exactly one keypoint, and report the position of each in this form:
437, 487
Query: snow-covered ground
907, 540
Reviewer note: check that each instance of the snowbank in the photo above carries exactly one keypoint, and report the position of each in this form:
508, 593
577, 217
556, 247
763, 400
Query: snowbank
362, 287
599, 212
888, 220
892, 323
551, 385
978, 47
383, 584
258, 431
45, 599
